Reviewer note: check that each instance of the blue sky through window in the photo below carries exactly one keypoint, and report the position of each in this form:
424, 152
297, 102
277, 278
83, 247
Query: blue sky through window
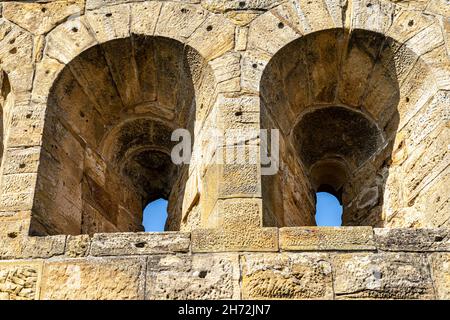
155, 215
328, 210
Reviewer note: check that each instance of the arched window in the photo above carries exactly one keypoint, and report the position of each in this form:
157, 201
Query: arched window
334, 96
155, 215
107, 135
328, 210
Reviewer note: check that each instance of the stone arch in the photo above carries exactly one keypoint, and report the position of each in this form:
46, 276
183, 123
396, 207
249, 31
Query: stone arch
211, 35
325, 91
289, 21
107, 134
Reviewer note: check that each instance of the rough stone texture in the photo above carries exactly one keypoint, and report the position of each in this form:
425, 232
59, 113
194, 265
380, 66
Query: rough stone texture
23, 247
92, 278
211, 276
139, 243
252, 239
78, 246
420, 240
20, 280
382, 276
91, 91
440, 271
326, 238
286, 276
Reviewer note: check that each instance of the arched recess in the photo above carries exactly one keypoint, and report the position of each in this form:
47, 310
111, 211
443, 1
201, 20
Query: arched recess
6, 103
107, 135
339, 99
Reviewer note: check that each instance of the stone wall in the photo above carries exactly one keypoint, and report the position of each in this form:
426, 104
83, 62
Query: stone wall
91, 90
305, 263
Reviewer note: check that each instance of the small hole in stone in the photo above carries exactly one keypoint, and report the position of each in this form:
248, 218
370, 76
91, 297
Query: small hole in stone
407, 99
368, 5
281, 25
12, 234
254, 66
438, 238
203, 274
13, 51
184, 10
377, 275
74, 29
47, 71
22, 165
209, 28
28, 116
241, 4
238, 113
44, 9
108, 15
82, 114
140, 245
12, 41
411, 23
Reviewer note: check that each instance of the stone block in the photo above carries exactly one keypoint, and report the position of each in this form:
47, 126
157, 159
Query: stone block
24, 247
93, 279
326, 238
440, 271
286, 276
20, 280
40, 18
212, 276
112, 244
245, 239
382, 276
412, 239
78, 246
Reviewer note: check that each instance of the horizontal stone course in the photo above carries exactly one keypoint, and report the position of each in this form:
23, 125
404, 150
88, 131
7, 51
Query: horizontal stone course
415, 240
326, 238
251, 239
389, 275
93, 279
116, 244
23, 247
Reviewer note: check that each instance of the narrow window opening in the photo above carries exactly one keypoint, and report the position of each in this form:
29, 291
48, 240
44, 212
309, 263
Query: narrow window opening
328, 210
155, 216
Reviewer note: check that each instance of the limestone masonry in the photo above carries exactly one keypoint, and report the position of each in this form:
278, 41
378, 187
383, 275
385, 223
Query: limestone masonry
91, 91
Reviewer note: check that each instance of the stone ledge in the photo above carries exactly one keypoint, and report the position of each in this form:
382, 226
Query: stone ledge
326, 239
24, 247
413, 240
218, 240
139, 243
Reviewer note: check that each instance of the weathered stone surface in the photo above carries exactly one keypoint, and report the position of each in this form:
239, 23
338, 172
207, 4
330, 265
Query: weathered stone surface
286, 276
221, 6
23, 247
20, 280
139, 243
440, 271
93, 278
39, 18
326, 238
212, 276
408, 239
92, 90
382, 276
249, 239
78, 246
